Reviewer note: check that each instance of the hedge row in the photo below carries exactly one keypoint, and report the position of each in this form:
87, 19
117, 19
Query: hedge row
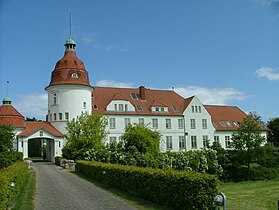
7, 159
175, 189
16, 173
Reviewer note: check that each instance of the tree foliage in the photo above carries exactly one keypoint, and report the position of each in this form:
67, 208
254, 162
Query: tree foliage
85, 132
142, 139
255, 115
273, 131
248, 140
6, 138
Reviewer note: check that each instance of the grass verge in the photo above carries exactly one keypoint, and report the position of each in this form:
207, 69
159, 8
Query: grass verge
25, 199
251, 195
130, 198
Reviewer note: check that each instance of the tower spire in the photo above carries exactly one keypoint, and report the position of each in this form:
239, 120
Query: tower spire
70, 43
6, 100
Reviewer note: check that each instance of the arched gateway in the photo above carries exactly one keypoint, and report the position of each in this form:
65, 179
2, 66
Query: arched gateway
44, 136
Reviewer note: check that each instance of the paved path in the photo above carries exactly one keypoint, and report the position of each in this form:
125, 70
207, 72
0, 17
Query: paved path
60, 189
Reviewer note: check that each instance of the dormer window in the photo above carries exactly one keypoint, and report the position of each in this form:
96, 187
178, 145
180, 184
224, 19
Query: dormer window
74, 75
175, 108
134, 96
139, 107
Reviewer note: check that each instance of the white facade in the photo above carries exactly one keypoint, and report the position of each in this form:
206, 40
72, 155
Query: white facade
66, 102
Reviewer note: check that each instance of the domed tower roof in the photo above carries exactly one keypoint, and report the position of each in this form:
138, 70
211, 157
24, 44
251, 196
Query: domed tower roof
9, 115
69, 69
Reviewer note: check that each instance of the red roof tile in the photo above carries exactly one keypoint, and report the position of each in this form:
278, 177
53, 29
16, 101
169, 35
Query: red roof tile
66, 67
104, 95
33, 126
9, 115
225, 117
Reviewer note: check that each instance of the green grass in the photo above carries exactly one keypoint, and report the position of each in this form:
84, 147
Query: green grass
251, 195
130, 198
26, 197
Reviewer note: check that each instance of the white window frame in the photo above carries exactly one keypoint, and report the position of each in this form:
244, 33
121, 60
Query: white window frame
112, 123
204, 123
182, 143
193, 123
155, 123
194, 142
180, 124
168, 123
169, 142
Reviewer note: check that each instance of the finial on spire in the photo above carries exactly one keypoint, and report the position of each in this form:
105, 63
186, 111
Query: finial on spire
70, 43
7, 88
70, 24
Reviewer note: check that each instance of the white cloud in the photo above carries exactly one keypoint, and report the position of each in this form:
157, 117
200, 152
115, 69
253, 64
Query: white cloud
267, 72
217, 96
111, 83
32, 105
267, 2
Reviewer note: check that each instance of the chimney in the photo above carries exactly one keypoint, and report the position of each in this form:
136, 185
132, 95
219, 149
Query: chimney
142, 92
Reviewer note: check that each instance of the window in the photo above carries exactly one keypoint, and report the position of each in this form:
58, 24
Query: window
157, 109
54, 115
155, 123
127, 121
121, 107
216, 139
95, 106
60, 116
199, 109
229, 124
228, 142
182, 142
223, 124
84, 105
59, 144
193, 123
22, 143
194, 142
175, 108
126, 107
139, 107
50, 117
112, 123
112, 139
74, 75
41, 133
180, 124
54, 99
67, 115
205, 141
169, 142
141, 121
196, 109
168, 123
193, 109
204, 123
162, 109
115, 107
134, 96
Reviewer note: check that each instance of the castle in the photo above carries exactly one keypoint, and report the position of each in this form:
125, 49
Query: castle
185, 124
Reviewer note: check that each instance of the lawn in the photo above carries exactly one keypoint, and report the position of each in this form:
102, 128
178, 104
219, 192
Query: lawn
251, 195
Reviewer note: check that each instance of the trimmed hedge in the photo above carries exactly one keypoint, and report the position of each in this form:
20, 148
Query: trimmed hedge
7, 159
16, 173
175, 189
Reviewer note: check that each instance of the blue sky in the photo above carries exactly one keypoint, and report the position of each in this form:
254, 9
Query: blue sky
223, 51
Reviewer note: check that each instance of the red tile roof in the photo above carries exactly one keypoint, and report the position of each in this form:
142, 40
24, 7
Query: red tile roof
33, 126
65, 67
225, 118
104, 95
9, 115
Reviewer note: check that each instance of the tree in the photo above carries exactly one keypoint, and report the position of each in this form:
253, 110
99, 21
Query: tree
84, 133
254, 115
142, 139
6, 138
273, 131
248, 140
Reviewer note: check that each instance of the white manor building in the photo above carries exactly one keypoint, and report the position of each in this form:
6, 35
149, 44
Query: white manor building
185, 124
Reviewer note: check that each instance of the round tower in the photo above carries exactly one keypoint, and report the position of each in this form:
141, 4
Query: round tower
69, 91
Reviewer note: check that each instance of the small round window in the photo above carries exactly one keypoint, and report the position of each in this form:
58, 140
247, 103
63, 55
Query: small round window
74, 75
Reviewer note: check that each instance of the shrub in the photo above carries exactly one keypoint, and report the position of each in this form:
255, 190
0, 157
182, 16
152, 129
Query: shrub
8, 158
262, 173
179, 190
16, 173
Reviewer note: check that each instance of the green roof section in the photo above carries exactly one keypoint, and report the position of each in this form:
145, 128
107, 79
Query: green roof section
70, 44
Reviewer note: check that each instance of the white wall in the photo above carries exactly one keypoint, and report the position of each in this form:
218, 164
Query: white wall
69, 99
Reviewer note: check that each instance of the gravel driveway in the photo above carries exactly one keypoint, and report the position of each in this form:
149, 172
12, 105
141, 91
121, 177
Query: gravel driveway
60, 189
